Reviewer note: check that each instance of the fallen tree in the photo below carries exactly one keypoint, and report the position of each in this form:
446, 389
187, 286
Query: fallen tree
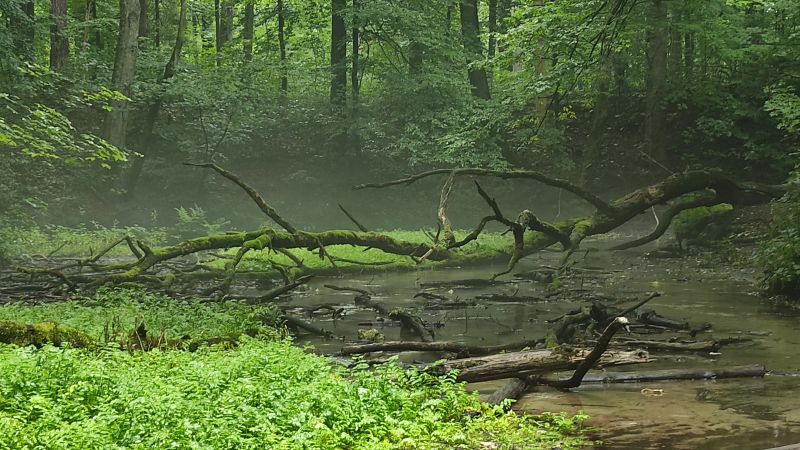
155, 267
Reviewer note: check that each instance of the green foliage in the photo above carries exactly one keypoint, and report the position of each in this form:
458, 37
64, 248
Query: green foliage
193, 222
780, 254
705, 223
113, 314
261, 394
72, 241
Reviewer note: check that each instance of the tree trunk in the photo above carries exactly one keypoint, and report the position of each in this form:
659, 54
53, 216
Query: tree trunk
473, 48
217, 30
227, 22
338, 53
157, 8
124, 71
688, 57
657, 38
248, 30
155, 106
675, 64
59, 42
354, 70
282, 46
492, 28
144, 24
91, 14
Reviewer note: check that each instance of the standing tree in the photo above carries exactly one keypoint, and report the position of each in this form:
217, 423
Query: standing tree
282, 46
338, 53
248, 25
115, 126
657, 43
59, 41
473, 48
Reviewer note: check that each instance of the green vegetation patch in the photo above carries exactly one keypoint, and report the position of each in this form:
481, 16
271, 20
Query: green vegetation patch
351, 258
111, 314
704, 222
256, 396
780, 254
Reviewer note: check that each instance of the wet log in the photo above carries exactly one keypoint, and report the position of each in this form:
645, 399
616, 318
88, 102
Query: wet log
652, 318
699, 346
300, 324
449, 347
535, 362
674, 374
512, 390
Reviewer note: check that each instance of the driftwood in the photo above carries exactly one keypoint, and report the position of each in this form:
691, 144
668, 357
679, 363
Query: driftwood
534, 362
673, 374
443, 346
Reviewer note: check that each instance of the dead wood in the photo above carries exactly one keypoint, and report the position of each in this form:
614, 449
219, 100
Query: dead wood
673, 374
152, 266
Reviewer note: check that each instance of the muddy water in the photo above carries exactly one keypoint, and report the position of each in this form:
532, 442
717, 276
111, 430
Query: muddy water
725, 414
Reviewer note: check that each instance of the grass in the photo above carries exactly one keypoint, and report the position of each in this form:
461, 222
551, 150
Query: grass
111, 313
264, 393
487, 246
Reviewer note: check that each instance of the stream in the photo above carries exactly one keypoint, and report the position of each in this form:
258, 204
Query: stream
726, 414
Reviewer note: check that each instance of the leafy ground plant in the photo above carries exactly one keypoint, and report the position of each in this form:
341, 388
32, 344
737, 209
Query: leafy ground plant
262, 393
258, 395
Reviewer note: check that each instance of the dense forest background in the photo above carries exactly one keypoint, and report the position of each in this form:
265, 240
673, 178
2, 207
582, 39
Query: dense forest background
102, 101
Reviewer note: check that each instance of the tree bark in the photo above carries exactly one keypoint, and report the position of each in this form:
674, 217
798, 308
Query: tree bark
116, 122
248, 26
655, 116
473, 48
154, 108
356, 42
338, 54
282, 46
492, 28
144, 23
59, 42
217, 31
157, 12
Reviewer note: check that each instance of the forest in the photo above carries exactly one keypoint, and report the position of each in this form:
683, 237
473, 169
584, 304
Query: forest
411, 224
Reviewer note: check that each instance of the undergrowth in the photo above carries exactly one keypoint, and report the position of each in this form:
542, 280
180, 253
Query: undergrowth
263, 393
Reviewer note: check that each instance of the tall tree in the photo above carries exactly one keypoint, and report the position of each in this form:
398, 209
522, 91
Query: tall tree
59, 42
656, 76
157, 12
492, 28
154, 107
248, 28
144, 20
338, 53
473, 48
115, 126
356, 36
282, 46
91, 15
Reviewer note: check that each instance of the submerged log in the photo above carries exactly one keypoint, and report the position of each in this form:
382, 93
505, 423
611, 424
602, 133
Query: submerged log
674, 374
448, 347
518, 364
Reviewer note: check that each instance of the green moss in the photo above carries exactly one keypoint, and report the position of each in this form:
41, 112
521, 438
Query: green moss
41, 333
705, 223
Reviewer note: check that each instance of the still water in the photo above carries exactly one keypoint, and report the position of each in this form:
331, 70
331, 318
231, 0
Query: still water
727, 414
